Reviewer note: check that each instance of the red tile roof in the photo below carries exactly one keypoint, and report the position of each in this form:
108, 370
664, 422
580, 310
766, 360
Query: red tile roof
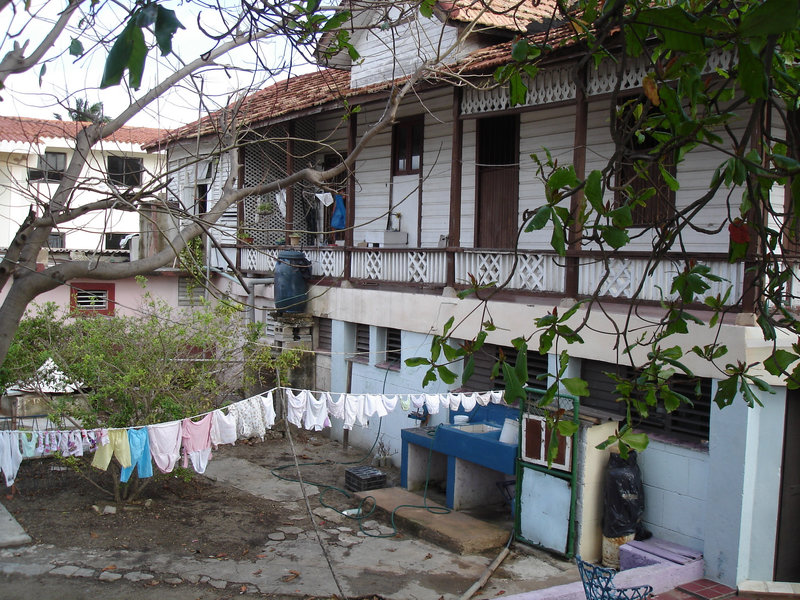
512, 15
293, 94
329, 85
32, 131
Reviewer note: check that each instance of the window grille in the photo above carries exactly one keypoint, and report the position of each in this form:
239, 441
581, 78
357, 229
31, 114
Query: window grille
687, 421
190, 291
324, 334
92, 298
362, 343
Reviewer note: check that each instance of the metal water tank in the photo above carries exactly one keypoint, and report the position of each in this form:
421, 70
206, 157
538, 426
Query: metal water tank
292, 271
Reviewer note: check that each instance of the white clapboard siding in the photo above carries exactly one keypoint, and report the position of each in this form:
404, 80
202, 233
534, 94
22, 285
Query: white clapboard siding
554, 129
468, 185
396, 52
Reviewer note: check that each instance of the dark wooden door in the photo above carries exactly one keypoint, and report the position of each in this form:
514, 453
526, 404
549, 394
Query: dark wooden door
497, 184
787, 551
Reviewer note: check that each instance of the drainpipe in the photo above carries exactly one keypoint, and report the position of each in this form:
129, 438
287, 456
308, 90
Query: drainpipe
249, 287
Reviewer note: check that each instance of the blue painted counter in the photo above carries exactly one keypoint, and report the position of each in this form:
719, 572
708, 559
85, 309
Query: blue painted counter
471, 462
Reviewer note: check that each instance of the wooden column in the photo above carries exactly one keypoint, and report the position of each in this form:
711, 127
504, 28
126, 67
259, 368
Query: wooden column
239, 205
350, 200
290, 228
454, 232
577, 200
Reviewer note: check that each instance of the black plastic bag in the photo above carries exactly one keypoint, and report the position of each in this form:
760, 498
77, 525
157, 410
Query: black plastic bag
623, 498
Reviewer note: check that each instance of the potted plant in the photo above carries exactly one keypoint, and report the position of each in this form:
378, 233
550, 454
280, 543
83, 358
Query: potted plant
244, 235
265, 208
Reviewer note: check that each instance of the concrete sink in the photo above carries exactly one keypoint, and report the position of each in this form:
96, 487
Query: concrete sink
475, 428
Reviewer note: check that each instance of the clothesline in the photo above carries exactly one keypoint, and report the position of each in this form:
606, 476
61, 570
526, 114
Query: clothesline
162, 443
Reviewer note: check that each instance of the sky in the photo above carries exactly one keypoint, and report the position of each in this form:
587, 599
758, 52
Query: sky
37, 94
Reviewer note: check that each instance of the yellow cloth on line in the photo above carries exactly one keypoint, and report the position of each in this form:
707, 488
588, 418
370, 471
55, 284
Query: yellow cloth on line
118, 446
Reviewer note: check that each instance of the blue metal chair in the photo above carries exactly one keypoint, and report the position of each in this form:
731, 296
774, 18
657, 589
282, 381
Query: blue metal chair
598, 584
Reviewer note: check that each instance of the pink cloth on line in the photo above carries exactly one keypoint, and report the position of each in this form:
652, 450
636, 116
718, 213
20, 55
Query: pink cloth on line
197, 442
165, 444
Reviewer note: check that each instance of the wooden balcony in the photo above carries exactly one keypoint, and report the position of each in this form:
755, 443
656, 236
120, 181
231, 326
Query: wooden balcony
528, 272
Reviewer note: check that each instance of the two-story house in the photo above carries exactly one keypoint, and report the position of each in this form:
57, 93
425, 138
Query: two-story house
437, 199
33, 156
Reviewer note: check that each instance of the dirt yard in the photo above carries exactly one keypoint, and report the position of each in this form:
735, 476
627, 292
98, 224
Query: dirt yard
56, 506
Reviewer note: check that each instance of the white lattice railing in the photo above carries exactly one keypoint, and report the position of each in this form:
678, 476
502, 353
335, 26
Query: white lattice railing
258, 260
410, 266
326, 262
533, 272
626, 274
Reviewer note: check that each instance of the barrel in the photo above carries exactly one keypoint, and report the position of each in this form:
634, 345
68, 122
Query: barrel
292, 270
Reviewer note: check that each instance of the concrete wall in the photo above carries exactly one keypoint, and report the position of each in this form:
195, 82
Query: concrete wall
676, 490
369, 379
743, 489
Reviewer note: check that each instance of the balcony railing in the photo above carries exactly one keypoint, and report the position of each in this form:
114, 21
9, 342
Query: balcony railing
526, 271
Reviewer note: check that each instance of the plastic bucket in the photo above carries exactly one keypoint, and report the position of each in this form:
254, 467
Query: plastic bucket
510, 432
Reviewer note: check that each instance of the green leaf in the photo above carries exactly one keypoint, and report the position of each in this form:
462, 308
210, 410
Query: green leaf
137, 58
517, 90
426, 8
751, 75
668, 178
678, 29
563, 177
576, 386
637, 441
446, 375
417, 361
567, 428
514, 390
726, 392
622, 216
448, 325
616, 238
540, 219
76, 47
166, 26
147, 15
117, 60
469, 369
594, 191
519, 50
771, 17
557, 240
778, 363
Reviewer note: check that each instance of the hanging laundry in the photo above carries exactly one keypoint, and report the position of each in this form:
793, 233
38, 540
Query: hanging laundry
75, 443
139, 441
268, 408
117, 446
249, 415
405, 403
417, 400
28, 443
335, 406
223, 428
390, 403
196, 442
165, 444
374, 405
468, 401
497, 396
10, 455
432, 402
316, 412
353, 409
295, 407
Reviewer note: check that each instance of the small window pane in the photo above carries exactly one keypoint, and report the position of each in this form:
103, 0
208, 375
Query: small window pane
125, 171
